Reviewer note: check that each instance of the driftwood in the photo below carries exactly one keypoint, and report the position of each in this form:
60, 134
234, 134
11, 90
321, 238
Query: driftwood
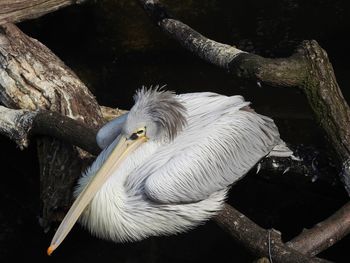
20, 10
32, 79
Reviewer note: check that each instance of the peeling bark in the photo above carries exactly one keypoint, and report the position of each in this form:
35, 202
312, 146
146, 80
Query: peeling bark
32, 77
15, 124
19, 10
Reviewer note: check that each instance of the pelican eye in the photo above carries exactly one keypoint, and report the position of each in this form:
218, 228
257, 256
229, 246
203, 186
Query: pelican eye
133, 136
137, 134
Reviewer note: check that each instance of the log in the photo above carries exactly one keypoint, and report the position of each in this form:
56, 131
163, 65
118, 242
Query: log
32, 78
13, 11
328, 104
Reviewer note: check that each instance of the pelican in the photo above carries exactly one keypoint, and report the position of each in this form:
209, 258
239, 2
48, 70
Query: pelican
167, 165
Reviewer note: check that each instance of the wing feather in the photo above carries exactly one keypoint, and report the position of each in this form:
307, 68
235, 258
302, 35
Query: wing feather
216, 149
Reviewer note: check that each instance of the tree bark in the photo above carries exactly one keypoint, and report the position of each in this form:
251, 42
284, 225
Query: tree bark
328, 104
20, 125
13, 11
259, 241
32, 77
326, 233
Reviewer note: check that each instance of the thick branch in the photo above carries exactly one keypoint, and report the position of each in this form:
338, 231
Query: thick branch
209, 50
277, 72
324, 234
19, 10
20, 125
326, 99
32, 78
256, 239
60, 127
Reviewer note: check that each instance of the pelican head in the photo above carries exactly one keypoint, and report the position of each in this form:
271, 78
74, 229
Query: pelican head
159, 114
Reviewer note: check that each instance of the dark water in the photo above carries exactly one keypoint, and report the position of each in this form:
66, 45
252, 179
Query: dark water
115, 49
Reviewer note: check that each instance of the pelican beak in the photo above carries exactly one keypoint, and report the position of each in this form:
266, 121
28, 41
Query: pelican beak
124, 147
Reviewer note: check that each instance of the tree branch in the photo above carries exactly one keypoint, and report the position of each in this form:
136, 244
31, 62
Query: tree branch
33, 78
207, 49
59, 127
20, 10
258, 240
279, 72
326, 233
20, 125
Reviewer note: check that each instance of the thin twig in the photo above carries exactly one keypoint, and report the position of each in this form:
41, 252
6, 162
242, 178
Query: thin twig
270, 256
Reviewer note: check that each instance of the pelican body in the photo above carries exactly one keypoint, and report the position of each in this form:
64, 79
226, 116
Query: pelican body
167, 164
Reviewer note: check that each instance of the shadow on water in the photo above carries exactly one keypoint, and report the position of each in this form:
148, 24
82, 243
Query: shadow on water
114, 53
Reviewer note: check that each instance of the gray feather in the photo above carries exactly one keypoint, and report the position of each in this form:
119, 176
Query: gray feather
210, 154
163, 108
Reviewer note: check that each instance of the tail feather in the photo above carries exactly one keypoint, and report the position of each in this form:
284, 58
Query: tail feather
281, 150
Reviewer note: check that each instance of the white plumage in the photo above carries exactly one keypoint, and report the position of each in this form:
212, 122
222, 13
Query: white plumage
179, 177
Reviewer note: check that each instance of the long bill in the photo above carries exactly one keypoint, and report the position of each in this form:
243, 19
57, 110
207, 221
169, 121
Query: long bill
120, 152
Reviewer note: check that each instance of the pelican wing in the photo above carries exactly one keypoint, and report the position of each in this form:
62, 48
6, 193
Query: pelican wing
110, 131
219, 147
